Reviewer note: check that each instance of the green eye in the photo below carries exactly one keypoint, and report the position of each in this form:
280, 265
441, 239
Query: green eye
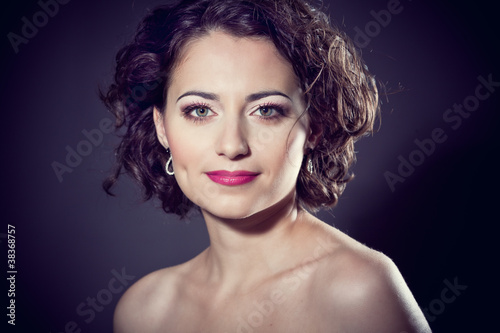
201, 112
198, 113
266, 111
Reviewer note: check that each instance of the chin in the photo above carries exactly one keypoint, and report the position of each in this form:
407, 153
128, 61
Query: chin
232, 207
246, 212
231, 212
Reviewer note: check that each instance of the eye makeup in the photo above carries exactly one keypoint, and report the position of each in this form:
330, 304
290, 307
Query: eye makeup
199, 112
270, 111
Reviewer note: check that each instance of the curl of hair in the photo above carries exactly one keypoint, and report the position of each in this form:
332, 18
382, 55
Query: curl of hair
340, 94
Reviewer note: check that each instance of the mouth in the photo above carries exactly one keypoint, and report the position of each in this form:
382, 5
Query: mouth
232, 178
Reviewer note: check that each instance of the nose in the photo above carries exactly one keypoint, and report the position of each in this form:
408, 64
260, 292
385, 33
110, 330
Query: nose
232, 139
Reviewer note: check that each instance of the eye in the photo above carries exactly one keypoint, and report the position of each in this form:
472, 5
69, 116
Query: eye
267, 111
200, 111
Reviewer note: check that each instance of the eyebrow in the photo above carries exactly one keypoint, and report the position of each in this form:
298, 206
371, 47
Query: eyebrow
202, 94
250, 98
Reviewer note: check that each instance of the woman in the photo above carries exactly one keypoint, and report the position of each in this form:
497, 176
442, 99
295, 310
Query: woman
249, 110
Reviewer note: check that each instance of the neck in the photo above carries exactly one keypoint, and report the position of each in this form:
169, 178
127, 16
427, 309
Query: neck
252, 248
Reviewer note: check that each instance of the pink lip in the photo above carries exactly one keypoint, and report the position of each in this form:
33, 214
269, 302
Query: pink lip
232, 178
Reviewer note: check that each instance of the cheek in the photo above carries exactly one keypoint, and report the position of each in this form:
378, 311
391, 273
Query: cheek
181, 146
187, 151
187, 155
286, 151
295, 145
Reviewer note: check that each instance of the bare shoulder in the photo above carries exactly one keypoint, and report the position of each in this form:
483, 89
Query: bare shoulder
365, 290
148, 300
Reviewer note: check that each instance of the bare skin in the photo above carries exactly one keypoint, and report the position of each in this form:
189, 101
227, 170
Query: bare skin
271, 266
326, 282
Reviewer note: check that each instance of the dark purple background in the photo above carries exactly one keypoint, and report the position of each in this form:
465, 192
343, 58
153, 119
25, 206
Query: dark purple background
439, 224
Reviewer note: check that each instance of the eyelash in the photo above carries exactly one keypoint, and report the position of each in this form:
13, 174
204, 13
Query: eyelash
270, 105
190, 108
279, 109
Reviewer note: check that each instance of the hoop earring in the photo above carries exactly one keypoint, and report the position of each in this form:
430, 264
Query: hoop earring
310, 167
169, 166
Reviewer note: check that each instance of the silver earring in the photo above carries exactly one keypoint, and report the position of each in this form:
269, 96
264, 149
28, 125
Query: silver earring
169, 166
310, 167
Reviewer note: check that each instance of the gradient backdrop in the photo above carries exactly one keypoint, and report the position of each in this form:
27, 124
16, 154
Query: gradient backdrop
74, 244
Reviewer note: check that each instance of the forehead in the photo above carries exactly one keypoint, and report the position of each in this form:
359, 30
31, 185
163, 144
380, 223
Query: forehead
219, 61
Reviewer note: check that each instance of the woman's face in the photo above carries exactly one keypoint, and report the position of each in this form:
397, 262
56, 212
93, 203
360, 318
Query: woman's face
232, 125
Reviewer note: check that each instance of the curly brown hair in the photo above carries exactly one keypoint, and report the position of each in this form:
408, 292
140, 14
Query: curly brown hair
340, 94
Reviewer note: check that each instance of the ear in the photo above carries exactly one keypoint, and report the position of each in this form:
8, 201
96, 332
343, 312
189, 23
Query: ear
160, 127
315, 134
